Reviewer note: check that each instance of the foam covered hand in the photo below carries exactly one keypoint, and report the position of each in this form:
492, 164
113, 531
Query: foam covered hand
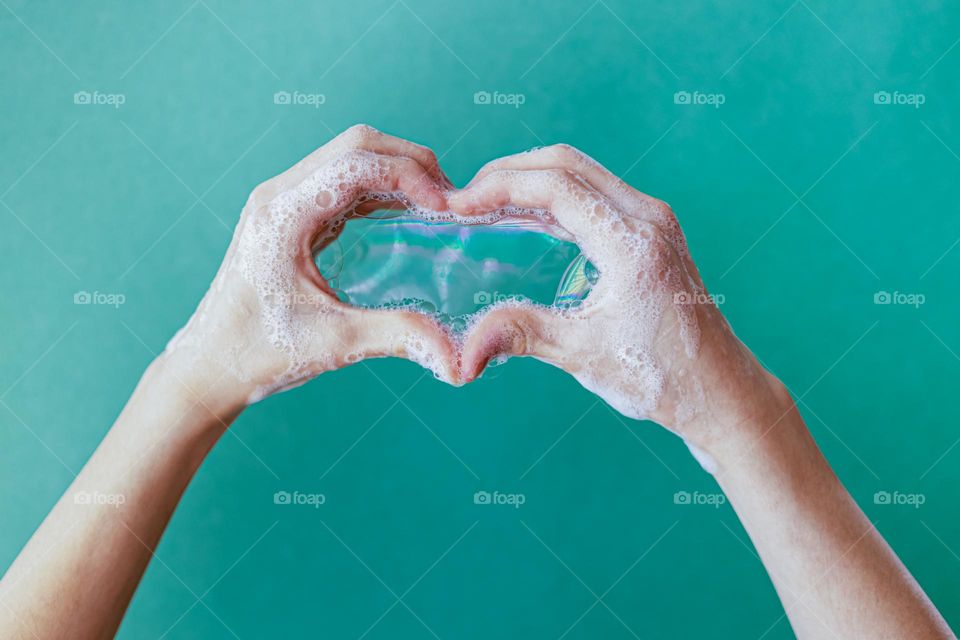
647, 339
269, 320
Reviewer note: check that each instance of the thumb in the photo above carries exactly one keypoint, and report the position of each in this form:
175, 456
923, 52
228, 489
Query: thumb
379, 333
513, 330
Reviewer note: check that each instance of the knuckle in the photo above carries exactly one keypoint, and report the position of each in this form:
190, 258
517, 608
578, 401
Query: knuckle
569, 183
566, 153
515, 336
560, 176
260, 195
408, 164
359, 134
345, 160
427, 153
661, 208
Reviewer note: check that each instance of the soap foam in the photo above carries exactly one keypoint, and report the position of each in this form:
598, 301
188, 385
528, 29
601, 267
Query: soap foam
637, 257
644, 265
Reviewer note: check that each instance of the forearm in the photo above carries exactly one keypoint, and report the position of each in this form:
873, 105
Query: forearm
833, 571
79, 571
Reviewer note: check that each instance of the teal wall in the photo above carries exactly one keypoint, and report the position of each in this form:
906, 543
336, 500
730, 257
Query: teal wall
140, 200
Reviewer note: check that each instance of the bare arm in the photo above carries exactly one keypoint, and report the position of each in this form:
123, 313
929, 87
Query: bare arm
650, 341
833, 571
269, 322
79, 571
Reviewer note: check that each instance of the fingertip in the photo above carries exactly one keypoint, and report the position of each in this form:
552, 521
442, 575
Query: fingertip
437, 198
495, 165
494, 336
426, 193
472, 364
406, 334
483, 172
459, 200
478, 198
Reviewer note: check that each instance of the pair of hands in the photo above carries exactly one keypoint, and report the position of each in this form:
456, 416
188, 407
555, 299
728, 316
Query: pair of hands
648, 339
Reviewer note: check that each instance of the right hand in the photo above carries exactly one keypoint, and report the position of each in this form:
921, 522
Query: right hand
647, 339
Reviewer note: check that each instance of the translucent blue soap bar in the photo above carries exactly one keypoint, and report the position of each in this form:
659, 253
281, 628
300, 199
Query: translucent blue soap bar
450, 269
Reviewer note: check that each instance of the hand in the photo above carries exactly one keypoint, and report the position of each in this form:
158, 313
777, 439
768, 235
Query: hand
647, 339
270, 321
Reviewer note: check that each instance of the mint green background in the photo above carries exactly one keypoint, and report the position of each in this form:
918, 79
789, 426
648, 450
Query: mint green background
120, 189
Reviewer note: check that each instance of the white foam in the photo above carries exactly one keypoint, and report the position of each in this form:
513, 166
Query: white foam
641, 260
644, 264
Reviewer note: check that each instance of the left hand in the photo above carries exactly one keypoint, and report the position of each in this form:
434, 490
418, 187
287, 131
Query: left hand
270, 321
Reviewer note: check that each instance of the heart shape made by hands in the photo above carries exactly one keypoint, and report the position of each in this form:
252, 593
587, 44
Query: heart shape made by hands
632, 340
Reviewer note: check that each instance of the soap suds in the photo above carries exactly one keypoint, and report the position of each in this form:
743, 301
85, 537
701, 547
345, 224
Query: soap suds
641, 260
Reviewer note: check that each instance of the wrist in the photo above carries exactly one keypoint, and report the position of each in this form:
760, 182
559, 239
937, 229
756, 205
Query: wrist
165, 422
747, 422
768, 452
191, 384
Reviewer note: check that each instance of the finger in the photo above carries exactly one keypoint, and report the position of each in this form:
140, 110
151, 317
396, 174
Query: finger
379, 333
364, 172
366, 208
356, 138
325, 203
564, 156
514, 330
577, 208
366, 138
